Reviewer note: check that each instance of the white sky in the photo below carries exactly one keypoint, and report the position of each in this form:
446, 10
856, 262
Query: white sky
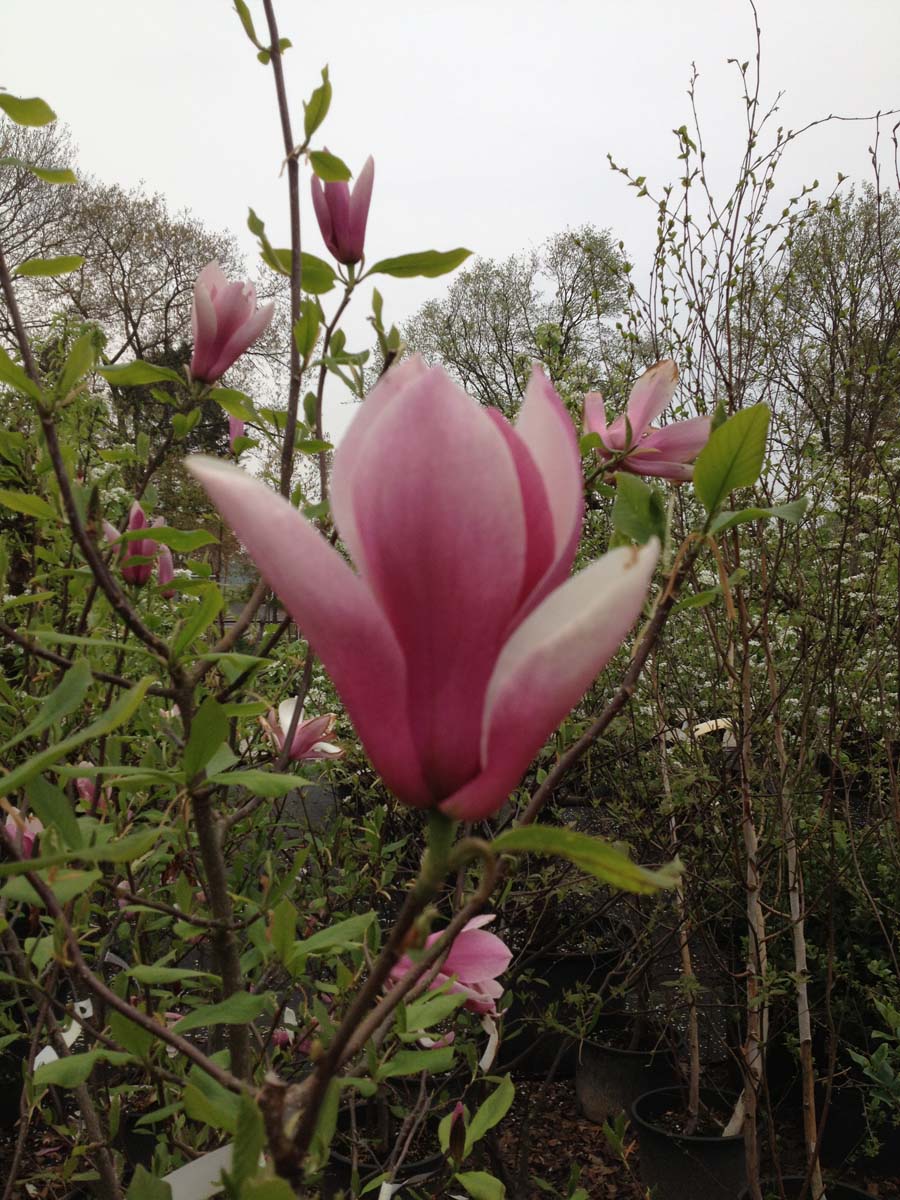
489, 120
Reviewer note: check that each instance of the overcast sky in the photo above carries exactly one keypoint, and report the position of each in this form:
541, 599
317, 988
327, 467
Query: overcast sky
489, 120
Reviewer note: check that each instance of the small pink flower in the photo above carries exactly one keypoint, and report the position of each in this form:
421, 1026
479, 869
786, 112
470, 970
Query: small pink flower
89, 791
471, 968
225, 321
282, 1037
132, 572
22, 832
236, 429
342, 214
309, 739
165, 567
665, 452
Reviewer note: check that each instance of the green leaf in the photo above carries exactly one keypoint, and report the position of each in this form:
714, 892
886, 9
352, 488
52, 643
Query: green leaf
182, 540
125, 849
429, 263
431, 1009
481, 1186
260, 783
139, 374
207, 1101
733, 456
413, 1062
247, 21
145, 1186
306, 327
47, 174
147, 973
73, 1070
31, 506
235, 403
313, 445
134, 1038
41, 267
597, 857
118, 713
209, 730
589, 442
239, 1009
326, 1124
80, 361
268, 1189
284, 930
490, 1113
317, 277
202, 616
15, 376
64, 884
639, 512
183, 423
793, 512
329, 167
316, 108
343, 935
249, 1139
33, 111
52, 806
64, 699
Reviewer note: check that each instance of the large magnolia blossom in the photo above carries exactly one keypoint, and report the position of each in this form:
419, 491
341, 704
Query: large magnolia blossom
665, 452
459, 642
472, 968
225, 322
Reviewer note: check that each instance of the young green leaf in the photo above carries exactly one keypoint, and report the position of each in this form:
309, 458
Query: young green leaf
65, 698
413, 1062
490, 1113
74, 1069
202, 616
592, 854
40, 267
481, 1186
12, 374
145, 1186
138, 374
45, 174
316, 108
733, 456
430, 263
792, 512
639, 511
32, 111
209, 730
239, 1009
328, 167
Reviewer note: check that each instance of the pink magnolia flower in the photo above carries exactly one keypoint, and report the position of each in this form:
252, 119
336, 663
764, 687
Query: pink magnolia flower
459, 643
165, 568
471, 968
309, 738
225, 322
89, 792
132, 572
236, 429
663, 452
22, 832
342, 214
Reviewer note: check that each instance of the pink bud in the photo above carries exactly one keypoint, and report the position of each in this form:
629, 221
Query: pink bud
225, 321
22, 832
342, 214
236, 429
282, 1037
138, 573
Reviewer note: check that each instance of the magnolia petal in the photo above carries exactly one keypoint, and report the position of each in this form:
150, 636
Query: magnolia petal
336, 612
347, 454
656, 467
360, 200
595, 414
242, 339
477, 956
650, 395
203, 324
680, 442
443, 551
547, 431
547, 665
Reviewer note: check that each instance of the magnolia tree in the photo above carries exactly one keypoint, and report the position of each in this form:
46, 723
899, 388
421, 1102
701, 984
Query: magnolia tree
178, 959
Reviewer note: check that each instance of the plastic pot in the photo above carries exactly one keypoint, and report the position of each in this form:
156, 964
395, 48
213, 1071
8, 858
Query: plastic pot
608, 1079
527, 1047
793, 1186
681, 1167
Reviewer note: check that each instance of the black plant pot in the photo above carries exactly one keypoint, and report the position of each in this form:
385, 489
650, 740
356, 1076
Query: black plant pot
338, 1177
527, 1048
11, 1059
681, 1167
608, 1079
793, 1187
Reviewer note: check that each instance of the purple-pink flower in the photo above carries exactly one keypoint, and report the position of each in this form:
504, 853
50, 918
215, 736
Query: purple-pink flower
22, 832
236, 429
225, 321
665, 452
165, 571
459, 643
342, 214
138, 573
310, 736
472, 968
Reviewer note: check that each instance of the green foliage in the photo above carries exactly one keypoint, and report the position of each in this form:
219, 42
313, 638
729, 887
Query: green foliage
606, 862
427, 263
733, 456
